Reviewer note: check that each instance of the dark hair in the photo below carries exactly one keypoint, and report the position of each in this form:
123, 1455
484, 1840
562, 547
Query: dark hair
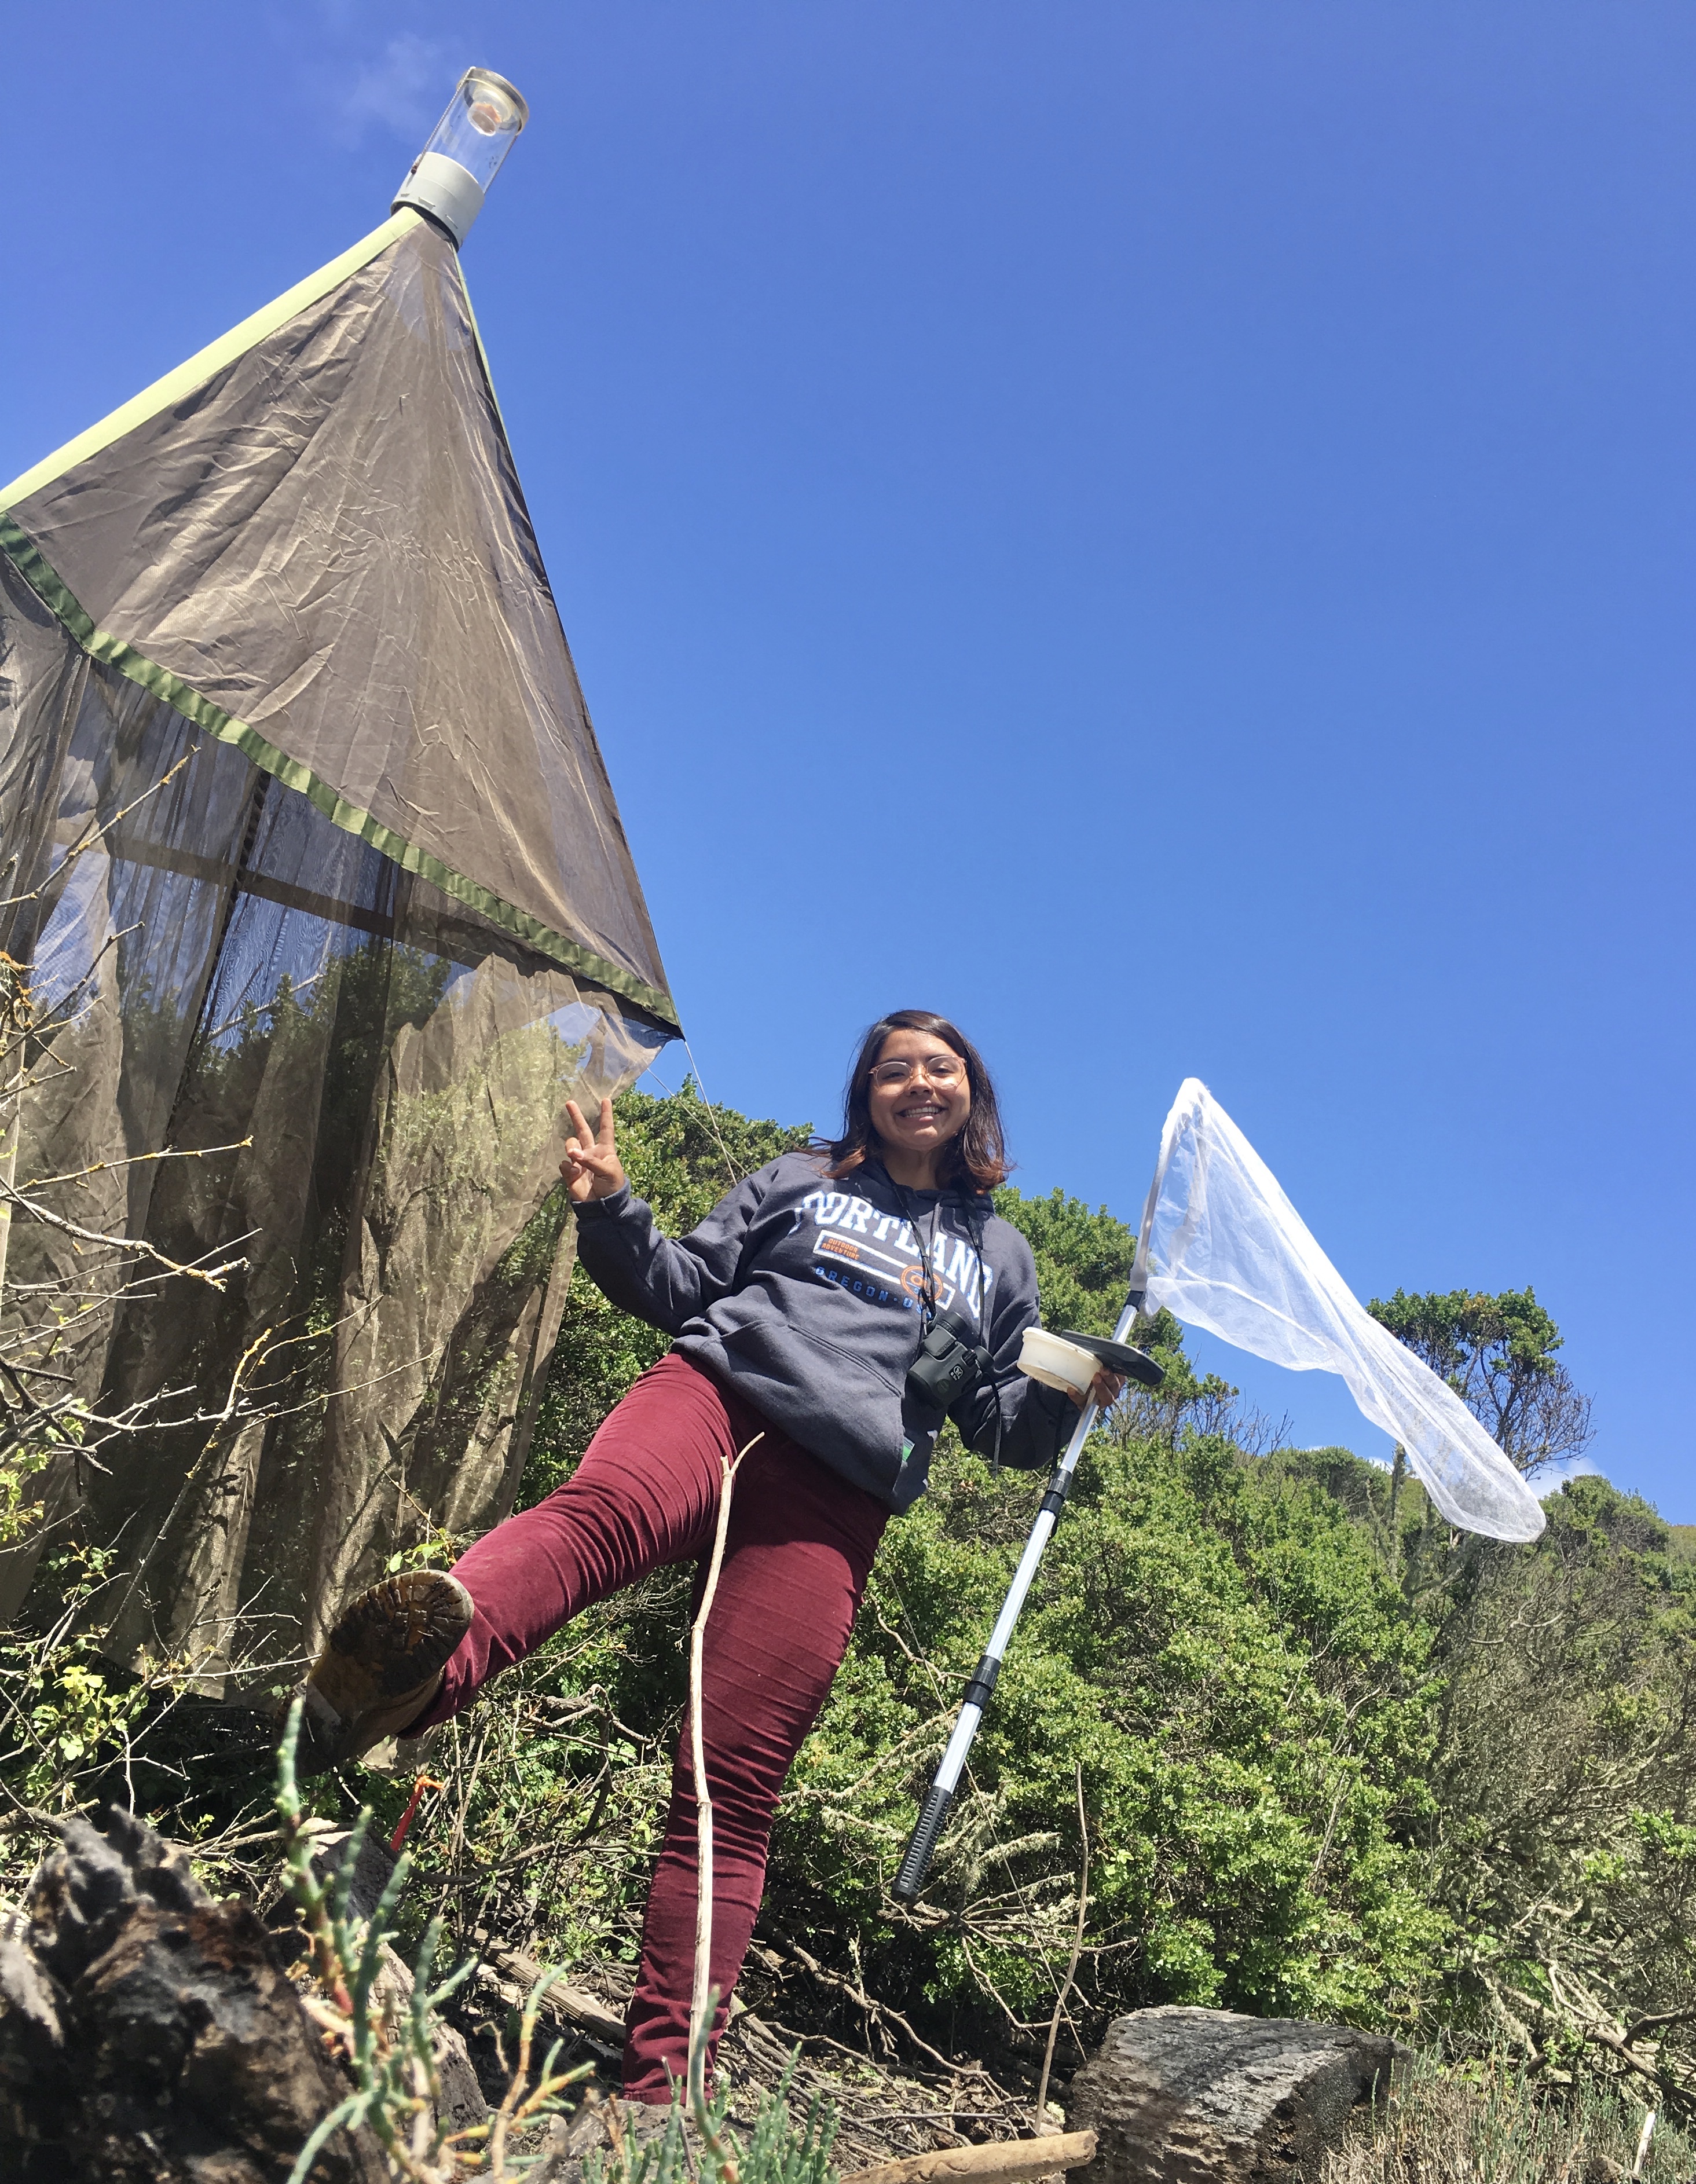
975, 1158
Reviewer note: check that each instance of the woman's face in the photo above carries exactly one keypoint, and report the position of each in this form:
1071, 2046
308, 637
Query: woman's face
919, 1095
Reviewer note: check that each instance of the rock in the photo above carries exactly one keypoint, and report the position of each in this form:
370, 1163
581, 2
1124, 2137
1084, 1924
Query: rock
559, 2151
1206, 2096
567, 2141
150, 2036
373, 1871
461, 2097
461, 2103
31, 2023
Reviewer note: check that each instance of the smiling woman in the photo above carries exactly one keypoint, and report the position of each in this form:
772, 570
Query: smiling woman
918, 1092
826, 1316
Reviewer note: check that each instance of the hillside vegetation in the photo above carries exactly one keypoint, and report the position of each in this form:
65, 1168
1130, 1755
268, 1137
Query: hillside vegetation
1327, 1756
1333, 1758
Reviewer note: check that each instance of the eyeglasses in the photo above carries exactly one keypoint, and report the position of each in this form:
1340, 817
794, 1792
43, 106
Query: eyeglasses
946, 1070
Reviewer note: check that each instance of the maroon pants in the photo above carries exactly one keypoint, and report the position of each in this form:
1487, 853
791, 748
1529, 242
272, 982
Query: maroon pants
796, 1559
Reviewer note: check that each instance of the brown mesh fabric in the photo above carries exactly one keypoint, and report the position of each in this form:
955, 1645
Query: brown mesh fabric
327, 541
306, 835
400, 1066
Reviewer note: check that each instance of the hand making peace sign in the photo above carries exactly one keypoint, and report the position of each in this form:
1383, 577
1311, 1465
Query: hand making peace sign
591, 1166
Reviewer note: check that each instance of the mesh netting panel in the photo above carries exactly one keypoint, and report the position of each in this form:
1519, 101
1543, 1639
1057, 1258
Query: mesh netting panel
329, 542
365, 1087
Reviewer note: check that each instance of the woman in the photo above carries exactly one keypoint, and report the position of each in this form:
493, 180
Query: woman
797, 1310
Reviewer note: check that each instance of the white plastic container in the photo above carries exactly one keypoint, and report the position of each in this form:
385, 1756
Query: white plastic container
1056, 1364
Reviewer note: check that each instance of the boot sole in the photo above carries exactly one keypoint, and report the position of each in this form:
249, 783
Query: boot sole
388, 1649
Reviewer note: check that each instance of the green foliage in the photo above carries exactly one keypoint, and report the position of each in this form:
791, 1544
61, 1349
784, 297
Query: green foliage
778, 2150
390, 2051
66, 1708
1452, 1331
1248, 1698
1083, 1259
1497, 1354
20, 1498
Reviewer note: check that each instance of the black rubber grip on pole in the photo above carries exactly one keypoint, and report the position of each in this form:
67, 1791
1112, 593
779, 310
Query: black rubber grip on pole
916, 1863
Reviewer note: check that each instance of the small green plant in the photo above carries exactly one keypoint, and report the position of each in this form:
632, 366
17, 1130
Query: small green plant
777, 2151
390, 2052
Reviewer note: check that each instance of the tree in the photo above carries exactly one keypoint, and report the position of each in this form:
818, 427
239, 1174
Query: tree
1497, 1354
1560, 1840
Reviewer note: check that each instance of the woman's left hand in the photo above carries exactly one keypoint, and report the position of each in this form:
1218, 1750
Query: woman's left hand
1105, 1390
591, 1166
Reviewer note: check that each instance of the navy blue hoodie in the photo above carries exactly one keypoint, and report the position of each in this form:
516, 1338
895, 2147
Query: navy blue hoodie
804, 1296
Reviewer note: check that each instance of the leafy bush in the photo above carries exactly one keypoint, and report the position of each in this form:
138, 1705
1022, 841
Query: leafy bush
1249, 1702
1335, 1759
1214, 1643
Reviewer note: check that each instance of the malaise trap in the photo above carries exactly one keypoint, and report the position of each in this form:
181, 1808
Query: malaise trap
311, 859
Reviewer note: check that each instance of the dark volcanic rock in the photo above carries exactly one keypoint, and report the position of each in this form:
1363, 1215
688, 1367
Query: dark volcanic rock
1206, 2096
150, 2035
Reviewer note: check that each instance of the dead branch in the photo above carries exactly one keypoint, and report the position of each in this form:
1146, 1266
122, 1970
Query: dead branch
1635, 2032
1077, 1951
87, 841
1003, 2161
572, 2006
132, 1244
879, 2012
135, 1160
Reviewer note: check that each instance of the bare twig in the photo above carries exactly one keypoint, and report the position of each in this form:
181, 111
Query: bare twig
87, 840
135, 1160
701, 2001
878, 2012
1071, 1969
1635, 2032
211, 1275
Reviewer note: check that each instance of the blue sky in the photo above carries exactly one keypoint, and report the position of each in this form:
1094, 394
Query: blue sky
1162, 531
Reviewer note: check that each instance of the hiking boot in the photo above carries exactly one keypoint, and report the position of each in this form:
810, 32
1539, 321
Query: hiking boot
381, 1665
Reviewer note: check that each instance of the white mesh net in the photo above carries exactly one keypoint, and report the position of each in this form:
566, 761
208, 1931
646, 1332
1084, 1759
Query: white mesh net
1222, 1248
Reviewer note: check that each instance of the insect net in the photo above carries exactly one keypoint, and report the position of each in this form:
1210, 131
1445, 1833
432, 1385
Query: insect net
1221, 1247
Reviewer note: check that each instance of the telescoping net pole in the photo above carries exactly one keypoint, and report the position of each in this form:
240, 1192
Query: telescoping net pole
940, 1794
